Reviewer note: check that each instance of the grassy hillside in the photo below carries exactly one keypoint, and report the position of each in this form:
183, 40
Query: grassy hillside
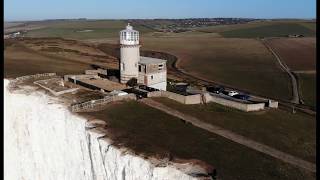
20, 60
243, 63
83, 29
149, 131
275, 30
298, 53
308, 88
263, 29
291, 133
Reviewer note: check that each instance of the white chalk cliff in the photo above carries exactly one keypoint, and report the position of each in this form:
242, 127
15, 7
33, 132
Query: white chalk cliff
43, 140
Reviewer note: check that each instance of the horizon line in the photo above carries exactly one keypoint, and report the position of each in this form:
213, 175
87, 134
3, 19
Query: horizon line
83, 18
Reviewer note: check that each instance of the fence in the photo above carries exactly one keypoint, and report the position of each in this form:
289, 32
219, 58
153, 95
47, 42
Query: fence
56, 93
93, 104
24, 78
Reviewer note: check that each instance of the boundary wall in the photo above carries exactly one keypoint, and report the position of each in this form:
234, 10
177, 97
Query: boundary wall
191, 99
247, 107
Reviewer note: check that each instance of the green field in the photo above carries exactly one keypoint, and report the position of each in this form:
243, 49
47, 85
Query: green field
242, 63
134, 125
20, 60
311, 25
76, 29
308, 88
276, 30
291, 133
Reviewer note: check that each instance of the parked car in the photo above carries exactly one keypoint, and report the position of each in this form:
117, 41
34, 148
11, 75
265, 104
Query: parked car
242, 96
214, 89
232, 93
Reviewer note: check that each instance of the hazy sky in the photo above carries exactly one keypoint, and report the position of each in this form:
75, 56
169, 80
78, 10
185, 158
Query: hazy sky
114, 9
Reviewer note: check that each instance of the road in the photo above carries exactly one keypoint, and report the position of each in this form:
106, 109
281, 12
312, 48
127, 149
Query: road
233, 136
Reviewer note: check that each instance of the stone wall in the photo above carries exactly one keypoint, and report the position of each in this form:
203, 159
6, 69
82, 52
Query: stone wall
233, 104
80, 76
192, 99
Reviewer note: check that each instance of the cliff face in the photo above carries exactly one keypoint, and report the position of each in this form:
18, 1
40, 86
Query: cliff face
43, 140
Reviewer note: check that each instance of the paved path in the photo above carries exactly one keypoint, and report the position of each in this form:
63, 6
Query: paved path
295, 88
233, 136
306, 72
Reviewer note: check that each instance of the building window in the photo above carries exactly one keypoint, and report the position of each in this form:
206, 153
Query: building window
160, 67
139, 68
151, 76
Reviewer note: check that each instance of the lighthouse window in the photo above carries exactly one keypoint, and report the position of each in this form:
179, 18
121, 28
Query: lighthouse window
135, 36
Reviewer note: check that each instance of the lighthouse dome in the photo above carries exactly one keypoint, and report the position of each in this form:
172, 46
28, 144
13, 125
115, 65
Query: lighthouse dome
129, 36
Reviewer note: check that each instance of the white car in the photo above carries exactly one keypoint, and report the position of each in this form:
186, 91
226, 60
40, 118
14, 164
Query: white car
232, 93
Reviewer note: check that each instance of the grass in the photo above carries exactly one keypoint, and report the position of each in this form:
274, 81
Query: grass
242, 63
72, 29
20, 61
311, 25
298, 53
291, 133
149, 131
308, 88
275, 30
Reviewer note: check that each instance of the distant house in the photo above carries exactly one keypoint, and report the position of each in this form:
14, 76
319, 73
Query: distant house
295, 35
12, 35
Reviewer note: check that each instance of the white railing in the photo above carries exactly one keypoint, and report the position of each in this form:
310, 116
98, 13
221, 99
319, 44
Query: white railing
93, 104
22, 78
13, 82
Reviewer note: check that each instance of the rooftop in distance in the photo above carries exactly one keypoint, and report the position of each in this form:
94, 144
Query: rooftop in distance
149, 60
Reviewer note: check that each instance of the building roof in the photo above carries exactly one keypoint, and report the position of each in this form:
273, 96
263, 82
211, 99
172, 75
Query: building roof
104, 84
149, 60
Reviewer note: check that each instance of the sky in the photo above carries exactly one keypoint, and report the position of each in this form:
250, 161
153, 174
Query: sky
15, 10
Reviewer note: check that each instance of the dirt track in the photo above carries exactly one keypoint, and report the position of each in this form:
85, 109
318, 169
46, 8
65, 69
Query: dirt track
298, 53
295, 89
233, 136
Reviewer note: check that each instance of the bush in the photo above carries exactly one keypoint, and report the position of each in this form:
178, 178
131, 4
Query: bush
132, 82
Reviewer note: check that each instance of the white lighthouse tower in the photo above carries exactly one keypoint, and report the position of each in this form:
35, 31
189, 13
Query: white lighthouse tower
129, 54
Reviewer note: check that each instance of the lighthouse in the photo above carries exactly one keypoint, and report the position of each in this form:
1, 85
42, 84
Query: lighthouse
148, 71
129, 54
